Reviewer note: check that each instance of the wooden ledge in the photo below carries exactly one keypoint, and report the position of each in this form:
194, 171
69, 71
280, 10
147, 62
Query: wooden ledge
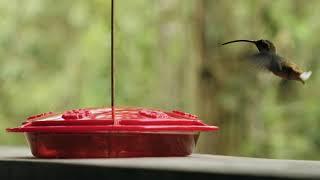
18, 163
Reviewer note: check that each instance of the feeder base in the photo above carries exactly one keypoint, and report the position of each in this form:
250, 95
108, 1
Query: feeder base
110, 145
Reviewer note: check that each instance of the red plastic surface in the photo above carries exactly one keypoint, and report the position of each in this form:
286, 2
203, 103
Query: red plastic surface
100, 120
110, 145
92, 133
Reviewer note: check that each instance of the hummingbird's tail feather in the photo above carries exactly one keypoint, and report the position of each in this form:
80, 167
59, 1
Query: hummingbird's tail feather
240, 40
305, 75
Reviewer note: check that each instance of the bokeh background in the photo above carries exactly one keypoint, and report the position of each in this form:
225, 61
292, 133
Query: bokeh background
55, 55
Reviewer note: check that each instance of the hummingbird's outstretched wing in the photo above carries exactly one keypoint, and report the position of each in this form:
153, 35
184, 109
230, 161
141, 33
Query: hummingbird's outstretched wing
267, 61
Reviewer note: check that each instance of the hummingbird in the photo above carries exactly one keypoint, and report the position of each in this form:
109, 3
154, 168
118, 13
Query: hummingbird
267, 58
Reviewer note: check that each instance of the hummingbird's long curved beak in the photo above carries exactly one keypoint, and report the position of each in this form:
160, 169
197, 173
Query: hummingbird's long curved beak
240, 40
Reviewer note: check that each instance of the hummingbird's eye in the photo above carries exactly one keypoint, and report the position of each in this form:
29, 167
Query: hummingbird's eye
267, 45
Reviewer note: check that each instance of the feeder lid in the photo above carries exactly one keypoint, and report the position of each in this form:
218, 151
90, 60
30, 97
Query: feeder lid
100, 120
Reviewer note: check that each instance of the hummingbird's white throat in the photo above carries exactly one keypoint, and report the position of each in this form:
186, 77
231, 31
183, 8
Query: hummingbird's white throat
304, 76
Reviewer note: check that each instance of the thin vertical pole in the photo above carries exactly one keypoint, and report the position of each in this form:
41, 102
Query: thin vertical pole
112, 63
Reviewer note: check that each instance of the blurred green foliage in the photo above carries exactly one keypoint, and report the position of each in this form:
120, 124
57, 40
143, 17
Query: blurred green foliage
55, 55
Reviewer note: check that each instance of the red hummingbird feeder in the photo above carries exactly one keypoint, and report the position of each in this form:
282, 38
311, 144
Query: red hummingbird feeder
112, 132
